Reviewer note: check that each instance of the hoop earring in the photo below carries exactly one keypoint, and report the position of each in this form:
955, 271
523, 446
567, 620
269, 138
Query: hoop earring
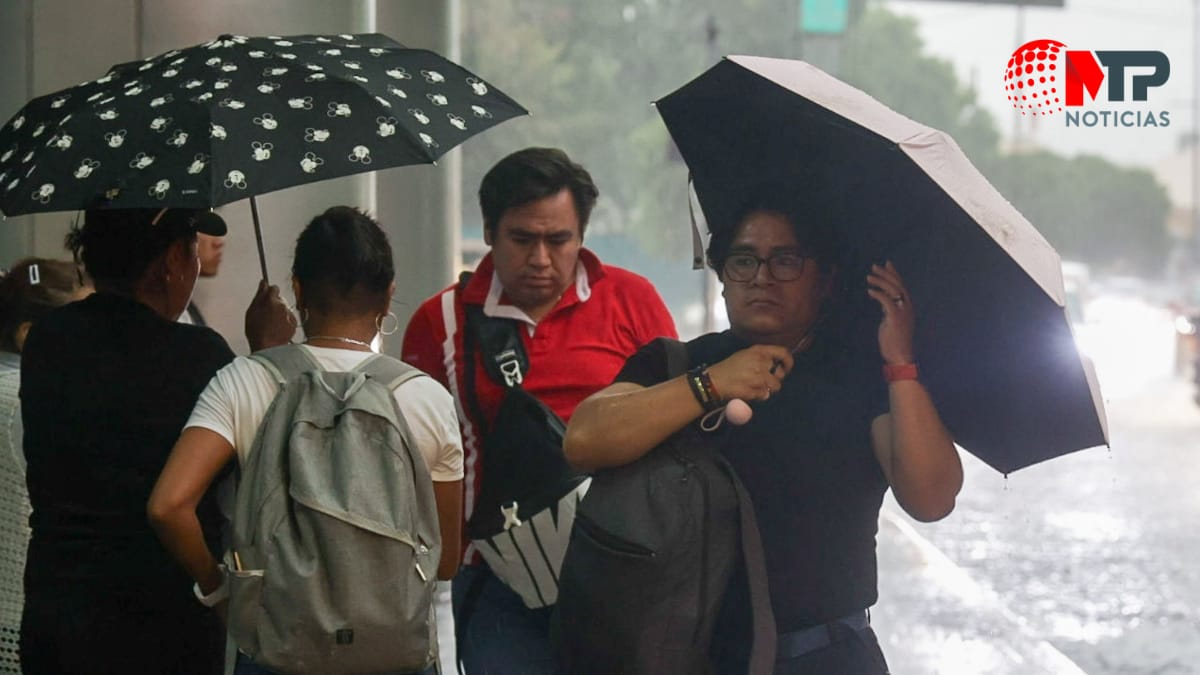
379, 323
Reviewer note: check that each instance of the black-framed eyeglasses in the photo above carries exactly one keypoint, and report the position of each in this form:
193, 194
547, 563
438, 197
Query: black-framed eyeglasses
743, 267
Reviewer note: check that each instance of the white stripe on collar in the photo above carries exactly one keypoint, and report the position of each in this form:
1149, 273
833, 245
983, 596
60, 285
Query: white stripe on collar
493, 308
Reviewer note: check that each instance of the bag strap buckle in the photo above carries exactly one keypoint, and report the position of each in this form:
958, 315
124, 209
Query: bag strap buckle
509, 363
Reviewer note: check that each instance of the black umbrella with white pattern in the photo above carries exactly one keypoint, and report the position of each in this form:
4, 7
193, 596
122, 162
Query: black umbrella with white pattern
238, 117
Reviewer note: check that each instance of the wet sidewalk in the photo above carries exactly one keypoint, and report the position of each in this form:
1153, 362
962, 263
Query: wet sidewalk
933, 619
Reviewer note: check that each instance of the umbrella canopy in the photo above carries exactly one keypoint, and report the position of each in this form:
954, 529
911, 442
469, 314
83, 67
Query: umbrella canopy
238, 117
993, 338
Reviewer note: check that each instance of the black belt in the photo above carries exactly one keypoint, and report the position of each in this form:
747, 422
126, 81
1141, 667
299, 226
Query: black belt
801, 642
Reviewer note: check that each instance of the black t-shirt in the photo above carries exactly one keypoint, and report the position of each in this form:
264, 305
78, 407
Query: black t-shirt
807, 462
106, 387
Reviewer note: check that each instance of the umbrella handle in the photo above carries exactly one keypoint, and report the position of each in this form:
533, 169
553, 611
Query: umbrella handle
697, 242
262, 256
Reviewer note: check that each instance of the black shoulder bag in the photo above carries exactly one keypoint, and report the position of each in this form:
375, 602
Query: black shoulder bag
521, 522
657, 542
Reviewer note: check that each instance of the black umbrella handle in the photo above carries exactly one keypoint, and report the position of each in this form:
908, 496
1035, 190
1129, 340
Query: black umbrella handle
262, 256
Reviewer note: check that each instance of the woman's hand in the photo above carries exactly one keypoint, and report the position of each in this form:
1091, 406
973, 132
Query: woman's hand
899, 316
269, 321
752, 374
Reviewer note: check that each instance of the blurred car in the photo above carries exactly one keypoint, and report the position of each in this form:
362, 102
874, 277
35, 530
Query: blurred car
1187, 331
1076, 281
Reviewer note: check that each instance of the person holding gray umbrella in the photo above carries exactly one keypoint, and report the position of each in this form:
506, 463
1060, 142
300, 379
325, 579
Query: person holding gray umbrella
825, 440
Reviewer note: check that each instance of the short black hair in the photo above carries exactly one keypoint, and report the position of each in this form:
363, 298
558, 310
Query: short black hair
29, 290
529, 175
343, 263
811, 226
117, 246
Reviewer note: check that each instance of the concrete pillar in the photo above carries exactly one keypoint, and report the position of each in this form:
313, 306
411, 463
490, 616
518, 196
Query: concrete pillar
419, 205
57, 43
16, 234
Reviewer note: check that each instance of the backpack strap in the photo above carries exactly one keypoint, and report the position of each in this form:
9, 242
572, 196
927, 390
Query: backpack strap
763, 646
677, 357
390, 371
500, 344
504, 356
286, 362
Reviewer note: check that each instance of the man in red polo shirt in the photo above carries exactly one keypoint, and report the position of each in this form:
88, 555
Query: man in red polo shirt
578, 320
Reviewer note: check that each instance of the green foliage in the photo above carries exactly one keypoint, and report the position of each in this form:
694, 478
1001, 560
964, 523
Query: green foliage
588, 72
884, 56
1090, 209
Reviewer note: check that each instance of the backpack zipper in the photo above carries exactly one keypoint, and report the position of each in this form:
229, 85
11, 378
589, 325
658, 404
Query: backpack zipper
704, 537
702, 596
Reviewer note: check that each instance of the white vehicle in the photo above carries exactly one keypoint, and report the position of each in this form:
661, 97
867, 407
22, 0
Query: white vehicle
1076, 280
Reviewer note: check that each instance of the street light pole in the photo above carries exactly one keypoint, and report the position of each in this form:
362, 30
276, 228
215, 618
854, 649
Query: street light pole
1193, 243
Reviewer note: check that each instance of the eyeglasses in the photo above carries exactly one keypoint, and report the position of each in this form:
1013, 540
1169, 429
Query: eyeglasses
743, 267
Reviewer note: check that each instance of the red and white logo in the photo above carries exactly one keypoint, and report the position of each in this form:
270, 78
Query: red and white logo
1044, 77
1033, 80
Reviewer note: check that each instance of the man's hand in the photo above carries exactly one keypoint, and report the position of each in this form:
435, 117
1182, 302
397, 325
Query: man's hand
269, 322
752, 374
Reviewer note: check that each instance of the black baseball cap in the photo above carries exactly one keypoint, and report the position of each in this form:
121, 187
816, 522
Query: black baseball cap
204, 221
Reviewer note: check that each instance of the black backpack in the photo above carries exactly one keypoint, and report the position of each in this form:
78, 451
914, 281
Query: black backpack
656, 544
522, 520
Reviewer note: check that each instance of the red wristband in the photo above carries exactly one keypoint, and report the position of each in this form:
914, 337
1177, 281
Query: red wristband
903, 371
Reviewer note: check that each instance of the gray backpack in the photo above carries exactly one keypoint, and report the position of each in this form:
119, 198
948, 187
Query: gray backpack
335, 530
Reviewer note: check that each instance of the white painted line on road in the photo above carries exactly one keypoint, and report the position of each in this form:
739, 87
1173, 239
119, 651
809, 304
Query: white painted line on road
956, 581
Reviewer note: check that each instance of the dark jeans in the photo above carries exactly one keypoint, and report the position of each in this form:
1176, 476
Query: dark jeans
501, 635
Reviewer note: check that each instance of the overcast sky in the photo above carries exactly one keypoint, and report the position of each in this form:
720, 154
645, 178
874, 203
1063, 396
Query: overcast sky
979, 39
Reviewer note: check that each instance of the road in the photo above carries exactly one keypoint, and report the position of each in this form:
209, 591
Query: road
1091, 557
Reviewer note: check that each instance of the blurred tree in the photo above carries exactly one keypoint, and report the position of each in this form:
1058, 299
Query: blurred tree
588, 72
1090, 209
883, 55
1087, 207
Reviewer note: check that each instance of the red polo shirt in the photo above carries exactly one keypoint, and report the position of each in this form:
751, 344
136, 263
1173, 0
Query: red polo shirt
575, 350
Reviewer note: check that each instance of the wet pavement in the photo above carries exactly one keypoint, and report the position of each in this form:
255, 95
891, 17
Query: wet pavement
1086, 563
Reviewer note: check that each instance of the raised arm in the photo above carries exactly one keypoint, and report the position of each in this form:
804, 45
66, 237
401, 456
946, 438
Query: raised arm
913, 447
623, 421
269, 322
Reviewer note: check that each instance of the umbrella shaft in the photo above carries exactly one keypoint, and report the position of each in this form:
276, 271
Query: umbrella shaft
262, 256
